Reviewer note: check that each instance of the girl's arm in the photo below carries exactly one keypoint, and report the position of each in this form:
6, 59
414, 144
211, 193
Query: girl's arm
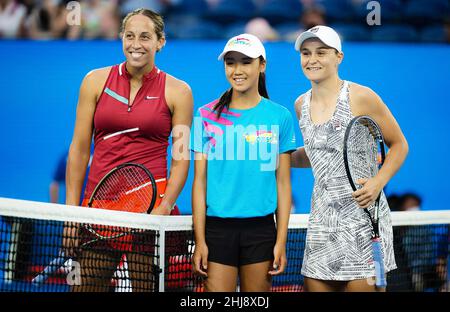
299, 159
283, 212
200, 258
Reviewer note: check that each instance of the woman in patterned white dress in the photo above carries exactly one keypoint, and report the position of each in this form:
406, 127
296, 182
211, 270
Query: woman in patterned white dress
338, 254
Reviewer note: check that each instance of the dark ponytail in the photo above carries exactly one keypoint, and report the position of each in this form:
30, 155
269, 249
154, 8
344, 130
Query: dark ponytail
262, 89
224, 102
225, 98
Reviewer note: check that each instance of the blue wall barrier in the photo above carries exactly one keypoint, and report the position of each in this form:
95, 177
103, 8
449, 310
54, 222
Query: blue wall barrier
40, 82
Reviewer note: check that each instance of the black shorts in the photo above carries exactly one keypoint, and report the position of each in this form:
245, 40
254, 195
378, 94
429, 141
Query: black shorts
240, 241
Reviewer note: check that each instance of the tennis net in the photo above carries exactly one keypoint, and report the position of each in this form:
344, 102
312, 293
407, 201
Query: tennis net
122, 252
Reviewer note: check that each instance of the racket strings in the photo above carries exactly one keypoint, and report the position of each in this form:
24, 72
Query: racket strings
142, 186
364, 154
126, 189
363, 151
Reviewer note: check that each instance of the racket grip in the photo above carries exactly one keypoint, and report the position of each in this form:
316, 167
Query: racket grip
380, 277
49, 270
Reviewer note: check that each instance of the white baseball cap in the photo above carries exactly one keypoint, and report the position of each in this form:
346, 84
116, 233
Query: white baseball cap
246, 44
324, 33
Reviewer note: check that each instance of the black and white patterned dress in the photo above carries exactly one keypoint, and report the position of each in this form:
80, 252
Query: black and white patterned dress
338, 240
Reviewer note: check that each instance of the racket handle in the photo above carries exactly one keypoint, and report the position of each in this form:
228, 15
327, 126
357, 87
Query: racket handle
49, 270
380, 277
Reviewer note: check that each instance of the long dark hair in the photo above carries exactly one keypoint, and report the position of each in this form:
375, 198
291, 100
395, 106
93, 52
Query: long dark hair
225, 98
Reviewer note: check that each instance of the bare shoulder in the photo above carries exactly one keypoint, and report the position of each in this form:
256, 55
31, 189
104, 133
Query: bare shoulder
96, 79
298, 105
362, 92
363, 99
99, 73
178, 94
177, 86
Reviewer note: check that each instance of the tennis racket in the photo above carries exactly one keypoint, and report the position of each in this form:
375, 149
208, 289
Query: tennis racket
128, 187
364, 154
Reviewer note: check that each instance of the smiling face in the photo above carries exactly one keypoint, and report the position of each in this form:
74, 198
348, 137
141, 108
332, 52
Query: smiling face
140, 41
242, 72
319, 61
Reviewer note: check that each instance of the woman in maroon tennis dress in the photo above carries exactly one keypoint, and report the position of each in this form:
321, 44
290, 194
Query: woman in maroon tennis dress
130, 110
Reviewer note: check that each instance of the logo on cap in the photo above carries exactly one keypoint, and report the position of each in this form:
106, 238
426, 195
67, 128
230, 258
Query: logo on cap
314, 29
243, 41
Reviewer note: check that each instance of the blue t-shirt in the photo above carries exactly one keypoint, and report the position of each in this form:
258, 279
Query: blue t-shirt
242, 149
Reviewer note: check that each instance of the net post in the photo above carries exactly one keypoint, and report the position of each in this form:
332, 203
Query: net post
162, 256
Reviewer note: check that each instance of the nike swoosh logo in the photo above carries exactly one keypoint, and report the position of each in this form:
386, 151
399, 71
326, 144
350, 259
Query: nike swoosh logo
152, 97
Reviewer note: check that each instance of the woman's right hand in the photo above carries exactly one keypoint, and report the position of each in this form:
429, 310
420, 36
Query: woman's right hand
70, 239
200, 260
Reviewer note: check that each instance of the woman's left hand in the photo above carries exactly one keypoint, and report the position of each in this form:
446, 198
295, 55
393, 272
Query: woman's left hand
164, 209
367, 195
279, 261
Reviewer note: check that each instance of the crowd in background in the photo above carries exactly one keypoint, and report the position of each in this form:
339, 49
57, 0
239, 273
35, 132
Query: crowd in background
270, 20
420, 252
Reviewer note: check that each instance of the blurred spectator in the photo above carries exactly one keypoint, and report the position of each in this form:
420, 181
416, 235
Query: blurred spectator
310, 17
57, 186
394, 202
410, 202
60, 27
293, 206
39, 24
409, 255
99, 19
261, 28
447, 29
12, 17
308, 3
59, 180
212, 3
48, 20
30, 4
160, 6
443, 258
423, 248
